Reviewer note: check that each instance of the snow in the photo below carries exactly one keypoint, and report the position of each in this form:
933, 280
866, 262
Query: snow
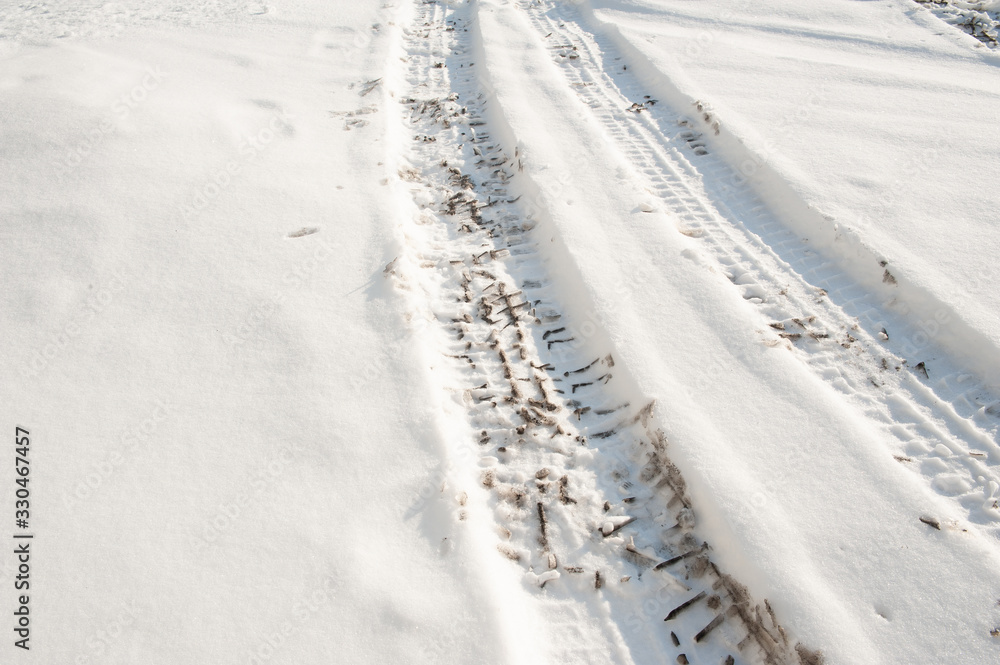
197, 429
736, 424
502, 332
877, 122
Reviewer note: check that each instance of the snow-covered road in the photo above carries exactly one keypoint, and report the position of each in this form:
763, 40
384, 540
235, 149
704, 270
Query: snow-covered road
501, 331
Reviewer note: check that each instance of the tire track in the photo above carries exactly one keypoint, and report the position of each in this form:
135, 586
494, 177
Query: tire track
939, 419
980, 20
576, 470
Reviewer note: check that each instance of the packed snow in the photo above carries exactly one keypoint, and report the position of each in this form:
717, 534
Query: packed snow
501, 331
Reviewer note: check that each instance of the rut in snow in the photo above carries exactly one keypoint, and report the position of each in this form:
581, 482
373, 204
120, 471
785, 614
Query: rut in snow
586, 498
939, 418
978, 19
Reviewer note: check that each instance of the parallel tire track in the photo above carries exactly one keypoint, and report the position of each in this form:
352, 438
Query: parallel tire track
587, 501
941, 419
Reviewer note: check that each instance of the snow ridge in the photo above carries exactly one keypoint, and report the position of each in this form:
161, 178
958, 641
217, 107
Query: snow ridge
942, 420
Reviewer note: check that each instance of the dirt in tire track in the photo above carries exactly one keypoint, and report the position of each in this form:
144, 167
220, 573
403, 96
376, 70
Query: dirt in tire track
572, 464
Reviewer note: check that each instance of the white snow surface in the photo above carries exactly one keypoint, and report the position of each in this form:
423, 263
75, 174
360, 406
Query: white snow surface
875, 113
448, 331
